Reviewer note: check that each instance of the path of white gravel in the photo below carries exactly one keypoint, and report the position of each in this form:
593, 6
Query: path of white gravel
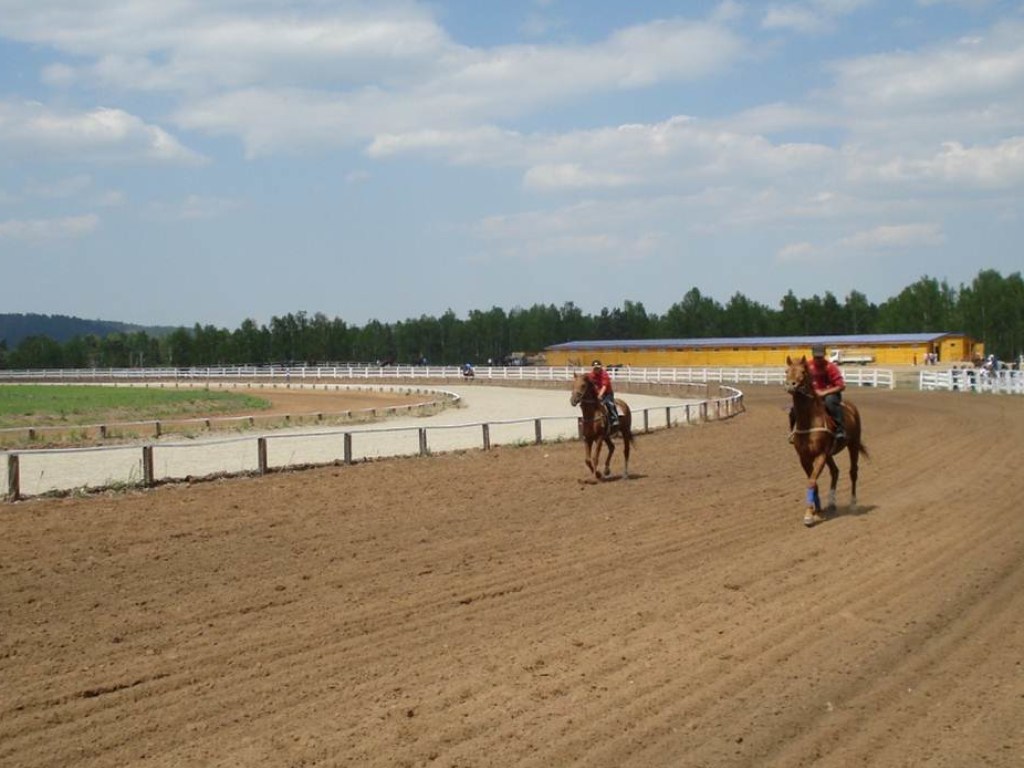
513, 415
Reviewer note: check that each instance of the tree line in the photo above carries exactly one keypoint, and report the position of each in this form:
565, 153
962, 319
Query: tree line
990, 309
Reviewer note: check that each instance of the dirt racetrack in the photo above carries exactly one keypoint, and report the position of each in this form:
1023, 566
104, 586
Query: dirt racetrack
495, 609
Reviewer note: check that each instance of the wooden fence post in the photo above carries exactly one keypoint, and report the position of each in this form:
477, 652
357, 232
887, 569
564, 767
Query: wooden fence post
348, 447
536, 432
261, 454
487, 437
147, 465
423, 441
13, 478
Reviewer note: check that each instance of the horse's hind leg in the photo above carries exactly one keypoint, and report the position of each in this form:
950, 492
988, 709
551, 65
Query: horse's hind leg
854, 451
626, 436
833, 470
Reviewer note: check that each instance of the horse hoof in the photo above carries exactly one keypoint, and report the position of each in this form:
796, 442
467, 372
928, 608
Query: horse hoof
808, 520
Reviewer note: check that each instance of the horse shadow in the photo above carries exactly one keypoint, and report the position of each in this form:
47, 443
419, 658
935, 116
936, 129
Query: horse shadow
613, 478
847, 511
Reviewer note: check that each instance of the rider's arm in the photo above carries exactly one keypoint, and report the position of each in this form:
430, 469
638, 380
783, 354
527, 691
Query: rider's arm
835, 381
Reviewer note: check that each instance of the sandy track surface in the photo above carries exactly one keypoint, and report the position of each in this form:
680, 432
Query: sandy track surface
497, 609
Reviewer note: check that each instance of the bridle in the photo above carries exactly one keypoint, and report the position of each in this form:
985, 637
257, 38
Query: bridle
803, 386
804, 389
587, 397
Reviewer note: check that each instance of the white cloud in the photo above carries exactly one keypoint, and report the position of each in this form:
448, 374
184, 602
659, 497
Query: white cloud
811, 16
797, 253
100, 135
190, 45
972, 74
462, 88
876, 240
677, 151
35, 230
69, 186
795, 18
570, 175
894, 236
951, 165
194, 207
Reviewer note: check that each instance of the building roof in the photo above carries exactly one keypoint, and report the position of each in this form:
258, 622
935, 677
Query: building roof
863, 339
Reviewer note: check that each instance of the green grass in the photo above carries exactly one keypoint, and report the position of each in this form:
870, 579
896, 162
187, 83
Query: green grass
33, 405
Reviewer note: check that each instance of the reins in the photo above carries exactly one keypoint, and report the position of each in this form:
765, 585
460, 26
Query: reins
590, 398
805, 390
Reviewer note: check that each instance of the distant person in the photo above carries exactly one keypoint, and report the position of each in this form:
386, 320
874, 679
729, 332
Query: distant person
828, 383
603, 388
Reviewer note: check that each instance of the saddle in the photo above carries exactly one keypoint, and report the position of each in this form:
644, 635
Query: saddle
837, 444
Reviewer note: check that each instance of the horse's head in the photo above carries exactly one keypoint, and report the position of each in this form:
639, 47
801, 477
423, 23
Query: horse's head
798, 377
581, 385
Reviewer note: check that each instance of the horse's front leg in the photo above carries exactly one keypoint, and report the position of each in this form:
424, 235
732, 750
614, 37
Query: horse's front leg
595, 459
812, 514
588, 449
608, 459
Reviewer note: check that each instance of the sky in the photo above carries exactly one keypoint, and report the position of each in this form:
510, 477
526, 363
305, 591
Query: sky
173, 162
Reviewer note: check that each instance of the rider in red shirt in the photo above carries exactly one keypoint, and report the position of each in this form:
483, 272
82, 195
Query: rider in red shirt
827, 380
603, 388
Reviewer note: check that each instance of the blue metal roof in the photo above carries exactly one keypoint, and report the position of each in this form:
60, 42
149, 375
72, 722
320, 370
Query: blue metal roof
864, 339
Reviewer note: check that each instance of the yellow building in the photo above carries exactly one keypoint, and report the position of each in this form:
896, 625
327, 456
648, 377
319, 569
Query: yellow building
866, 349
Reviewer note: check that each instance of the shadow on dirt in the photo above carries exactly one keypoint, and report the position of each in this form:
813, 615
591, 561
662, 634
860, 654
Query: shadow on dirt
859, 511
611, 479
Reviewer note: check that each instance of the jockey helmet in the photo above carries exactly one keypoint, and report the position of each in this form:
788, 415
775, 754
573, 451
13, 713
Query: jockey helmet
596, 364
818, 350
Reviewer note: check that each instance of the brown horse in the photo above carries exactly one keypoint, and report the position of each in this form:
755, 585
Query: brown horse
594, 426
814, 439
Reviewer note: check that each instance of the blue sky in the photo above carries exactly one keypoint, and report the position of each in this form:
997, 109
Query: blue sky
168, 162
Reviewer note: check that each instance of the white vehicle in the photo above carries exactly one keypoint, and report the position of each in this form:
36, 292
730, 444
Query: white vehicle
850, 357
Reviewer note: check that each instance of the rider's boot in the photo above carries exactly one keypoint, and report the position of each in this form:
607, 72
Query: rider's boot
613, 417
840, 435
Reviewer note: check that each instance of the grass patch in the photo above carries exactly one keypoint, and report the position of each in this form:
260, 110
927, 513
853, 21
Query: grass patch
31, 405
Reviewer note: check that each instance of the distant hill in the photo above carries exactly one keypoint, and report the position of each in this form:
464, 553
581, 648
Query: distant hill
61, 328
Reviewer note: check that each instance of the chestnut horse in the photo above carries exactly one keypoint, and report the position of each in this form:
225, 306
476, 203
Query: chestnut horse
814, 439
594, 426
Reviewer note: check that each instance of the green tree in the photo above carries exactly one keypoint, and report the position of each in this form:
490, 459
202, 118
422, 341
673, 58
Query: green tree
179, 348
925, 306
992, 308
859, 313
37, 352
696, 316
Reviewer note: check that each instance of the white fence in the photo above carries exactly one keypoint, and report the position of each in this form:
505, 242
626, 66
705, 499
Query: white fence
1004, 382
37, 472
866, 377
